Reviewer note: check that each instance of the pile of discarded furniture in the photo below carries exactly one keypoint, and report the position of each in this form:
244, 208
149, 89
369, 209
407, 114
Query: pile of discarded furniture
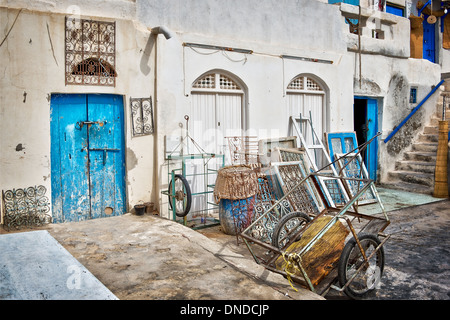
302, 220
294, 203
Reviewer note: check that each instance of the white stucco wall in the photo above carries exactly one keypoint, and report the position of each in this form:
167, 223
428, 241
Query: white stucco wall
29, 65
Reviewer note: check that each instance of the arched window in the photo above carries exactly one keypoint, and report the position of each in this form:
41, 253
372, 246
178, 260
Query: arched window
94, 67
217, 82
304, 83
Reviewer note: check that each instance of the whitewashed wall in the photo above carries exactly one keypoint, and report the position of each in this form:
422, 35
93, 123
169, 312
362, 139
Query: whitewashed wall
30, 65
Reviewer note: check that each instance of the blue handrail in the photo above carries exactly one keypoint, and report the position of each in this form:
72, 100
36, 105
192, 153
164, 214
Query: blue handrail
414, 111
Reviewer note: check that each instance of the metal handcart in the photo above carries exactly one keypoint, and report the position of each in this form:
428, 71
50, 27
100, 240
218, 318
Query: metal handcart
337, 248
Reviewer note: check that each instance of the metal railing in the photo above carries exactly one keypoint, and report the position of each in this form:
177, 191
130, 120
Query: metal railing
396, 129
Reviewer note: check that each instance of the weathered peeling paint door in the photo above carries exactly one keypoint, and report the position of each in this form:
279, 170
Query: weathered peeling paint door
69, 158
87, 157
107, 165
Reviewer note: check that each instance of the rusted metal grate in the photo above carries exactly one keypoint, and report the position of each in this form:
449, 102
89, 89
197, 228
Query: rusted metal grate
142, 116
26, 207
90, 50
265, 198
303, 200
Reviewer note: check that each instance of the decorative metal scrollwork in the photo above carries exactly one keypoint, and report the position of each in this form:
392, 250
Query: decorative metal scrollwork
24, 208
90, 52
142, 116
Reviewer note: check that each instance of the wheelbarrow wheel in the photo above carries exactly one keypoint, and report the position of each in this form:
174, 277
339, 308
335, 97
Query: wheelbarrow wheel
352, 259
182, 196
287, 226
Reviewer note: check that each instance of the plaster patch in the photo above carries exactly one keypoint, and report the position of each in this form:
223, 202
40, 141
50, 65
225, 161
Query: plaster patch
132, 160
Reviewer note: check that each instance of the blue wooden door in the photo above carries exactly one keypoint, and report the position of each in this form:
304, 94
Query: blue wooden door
371, 158
87, 157
429, 40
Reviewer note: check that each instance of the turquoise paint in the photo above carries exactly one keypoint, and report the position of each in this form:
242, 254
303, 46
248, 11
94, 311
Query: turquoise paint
88, 164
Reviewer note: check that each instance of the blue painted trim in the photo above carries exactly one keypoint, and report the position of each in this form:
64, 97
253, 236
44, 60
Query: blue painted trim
413, 112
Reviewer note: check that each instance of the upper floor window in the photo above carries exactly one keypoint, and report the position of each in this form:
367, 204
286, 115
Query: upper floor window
395, 9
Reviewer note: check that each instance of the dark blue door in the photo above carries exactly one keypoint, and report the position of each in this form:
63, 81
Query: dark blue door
87, 157
429, 40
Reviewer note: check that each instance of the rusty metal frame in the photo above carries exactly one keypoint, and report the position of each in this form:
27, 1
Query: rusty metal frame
90, 52
243, 149
367, 223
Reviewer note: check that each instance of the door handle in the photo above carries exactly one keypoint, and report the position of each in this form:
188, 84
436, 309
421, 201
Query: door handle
105, 152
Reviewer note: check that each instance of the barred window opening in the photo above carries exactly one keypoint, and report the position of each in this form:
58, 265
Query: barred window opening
90, 51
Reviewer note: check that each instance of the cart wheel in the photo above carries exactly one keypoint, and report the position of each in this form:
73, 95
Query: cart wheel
350, 261
288, 225
183, 196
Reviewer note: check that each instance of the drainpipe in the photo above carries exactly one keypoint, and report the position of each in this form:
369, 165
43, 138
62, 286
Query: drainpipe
167, 34
162, 30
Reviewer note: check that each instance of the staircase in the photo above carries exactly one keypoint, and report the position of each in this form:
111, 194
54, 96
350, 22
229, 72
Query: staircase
415, 172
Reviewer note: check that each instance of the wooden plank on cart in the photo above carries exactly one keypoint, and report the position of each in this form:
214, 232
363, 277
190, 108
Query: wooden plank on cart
323, 255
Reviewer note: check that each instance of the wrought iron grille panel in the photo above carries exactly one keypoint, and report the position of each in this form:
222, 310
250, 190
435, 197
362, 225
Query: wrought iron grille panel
303, 199
265, 199
90, 50
142, 116
26, 207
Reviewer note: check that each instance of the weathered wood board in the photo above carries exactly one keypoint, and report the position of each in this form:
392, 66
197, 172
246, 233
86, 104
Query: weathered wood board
323, 256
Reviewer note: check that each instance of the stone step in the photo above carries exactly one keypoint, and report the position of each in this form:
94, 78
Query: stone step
428, 137
431, 130
421, 156
410, 187
434, 122
416, 166
425, 147
426, 179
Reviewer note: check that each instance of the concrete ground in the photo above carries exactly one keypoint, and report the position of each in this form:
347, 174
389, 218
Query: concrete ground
150, 258
147, 257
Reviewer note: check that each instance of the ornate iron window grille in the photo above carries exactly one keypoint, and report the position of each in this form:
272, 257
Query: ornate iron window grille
90, 50
26, 207
142, 116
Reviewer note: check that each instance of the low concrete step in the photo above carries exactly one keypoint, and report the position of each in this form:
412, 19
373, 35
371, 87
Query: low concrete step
426, 179
416, 166
410, 187
421, 156
425, 147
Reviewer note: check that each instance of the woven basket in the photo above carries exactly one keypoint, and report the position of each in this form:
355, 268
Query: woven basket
235, 183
